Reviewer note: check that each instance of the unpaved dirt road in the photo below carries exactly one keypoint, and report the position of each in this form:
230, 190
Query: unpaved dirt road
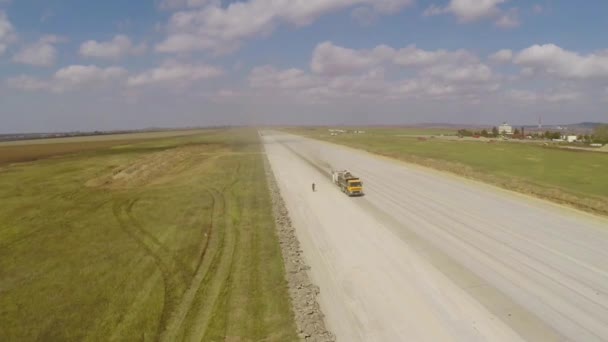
426, 256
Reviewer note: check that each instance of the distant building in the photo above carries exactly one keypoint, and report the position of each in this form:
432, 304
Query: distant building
505, 128
569, 138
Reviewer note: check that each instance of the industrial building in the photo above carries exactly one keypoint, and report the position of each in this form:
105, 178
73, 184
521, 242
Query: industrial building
505, 128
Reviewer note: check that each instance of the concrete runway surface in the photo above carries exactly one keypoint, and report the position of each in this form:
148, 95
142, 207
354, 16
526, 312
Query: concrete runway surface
426, 256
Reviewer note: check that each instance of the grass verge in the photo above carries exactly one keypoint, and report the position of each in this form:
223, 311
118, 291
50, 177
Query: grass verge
575, 178
164, 239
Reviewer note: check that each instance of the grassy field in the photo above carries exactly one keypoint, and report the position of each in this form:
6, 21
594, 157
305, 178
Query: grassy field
30, 150
164, 239
577, 178
104, 137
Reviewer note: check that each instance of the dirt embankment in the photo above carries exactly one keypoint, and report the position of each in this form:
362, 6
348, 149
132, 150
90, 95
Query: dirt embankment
309, 318
150, 168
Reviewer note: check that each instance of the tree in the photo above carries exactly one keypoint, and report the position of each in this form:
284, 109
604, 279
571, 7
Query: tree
600, 134
552, 135
484, 133
516, 132
465, 133
495, 131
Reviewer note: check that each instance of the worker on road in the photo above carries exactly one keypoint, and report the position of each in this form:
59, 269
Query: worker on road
313, 187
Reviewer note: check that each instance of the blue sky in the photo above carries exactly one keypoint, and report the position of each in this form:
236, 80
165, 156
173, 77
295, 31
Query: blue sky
86, 65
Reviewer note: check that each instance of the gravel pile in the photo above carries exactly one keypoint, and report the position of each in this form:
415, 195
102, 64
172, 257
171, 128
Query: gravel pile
309, 318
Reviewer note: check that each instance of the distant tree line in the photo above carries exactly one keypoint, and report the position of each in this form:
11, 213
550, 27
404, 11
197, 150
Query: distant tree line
600, 134
485, 133
482, 133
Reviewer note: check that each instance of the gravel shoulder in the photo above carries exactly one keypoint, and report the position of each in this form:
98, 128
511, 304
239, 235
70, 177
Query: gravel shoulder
309, 318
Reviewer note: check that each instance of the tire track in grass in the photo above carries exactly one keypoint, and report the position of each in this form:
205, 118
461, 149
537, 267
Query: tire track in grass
176, 322
217, 327
172, 287
205, 305
168, 256
219, 309
208, 232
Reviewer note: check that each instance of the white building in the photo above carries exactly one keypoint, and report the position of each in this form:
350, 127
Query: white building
569, 138
505, 128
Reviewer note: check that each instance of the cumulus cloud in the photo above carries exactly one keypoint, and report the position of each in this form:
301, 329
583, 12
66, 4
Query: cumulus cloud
552, 60
28, 83
177, 4
466, 73
411, 56
7, 32
501, 56
509, 19
363, 15
338, 72
70, 78
330, 59
468, 10
42, 53
223, 29
172, 72
116, 48
269, 77
547, 96
435, 10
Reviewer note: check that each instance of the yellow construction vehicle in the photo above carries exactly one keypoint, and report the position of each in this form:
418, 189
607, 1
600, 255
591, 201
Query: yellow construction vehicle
347, 182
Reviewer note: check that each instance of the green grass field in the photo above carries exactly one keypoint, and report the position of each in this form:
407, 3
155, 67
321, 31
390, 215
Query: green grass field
164, 239
577, 178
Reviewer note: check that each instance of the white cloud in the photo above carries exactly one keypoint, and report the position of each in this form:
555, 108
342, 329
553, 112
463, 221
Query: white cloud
329, 59
79, 75
563, 96
176, 4
549, 96
42, 53
46, 16
223, 29
118, 47
502, 56
339, 72
411, 56
468, 10
363, 15
552, 60
522, 96
435, 10
71, 78
509, 19
332, 60
473, 73
174, 73
28, 83
7, 32
471, 10
269, 77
